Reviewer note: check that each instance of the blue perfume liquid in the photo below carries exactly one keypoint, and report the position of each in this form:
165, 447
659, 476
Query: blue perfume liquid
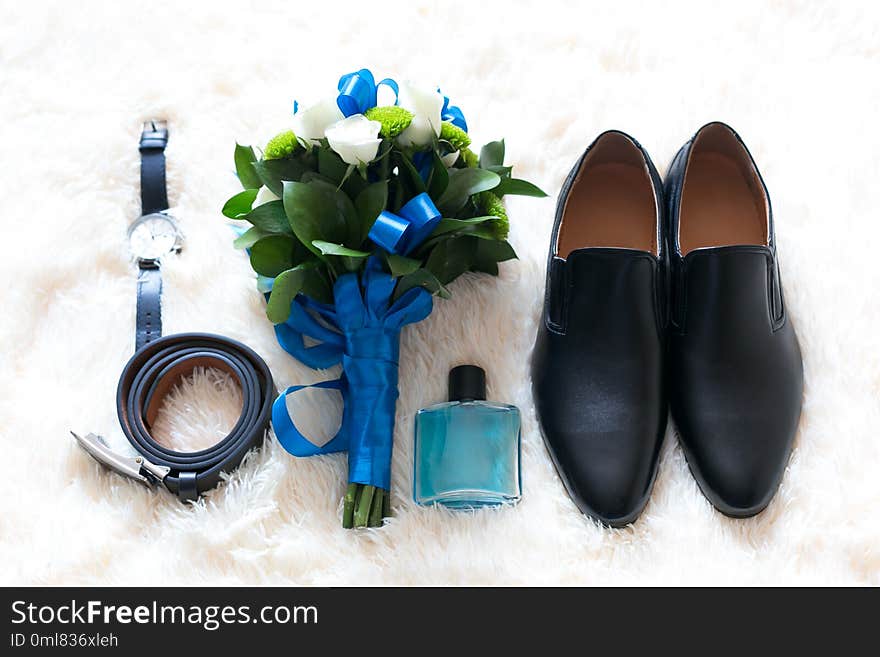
467, 455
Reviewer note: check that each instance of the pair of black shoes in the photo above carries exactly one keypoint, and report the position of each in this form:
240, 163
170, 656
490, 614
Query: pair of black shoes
666, 297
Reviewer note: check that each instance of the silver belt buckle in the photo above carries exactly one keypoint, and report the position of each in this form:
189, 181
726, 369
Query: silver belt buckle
136, 467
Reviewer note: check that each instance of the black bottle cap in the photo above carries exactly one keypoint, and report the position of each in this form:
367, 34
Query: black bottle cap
467, 383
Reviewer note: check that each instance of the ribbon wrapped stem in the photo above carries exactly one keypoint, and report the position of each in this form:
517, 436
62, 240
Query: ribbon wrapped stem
366, 340
370, 366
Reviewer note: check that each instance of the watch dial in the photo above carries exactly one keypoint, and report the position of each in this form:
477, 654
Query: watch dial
152, 237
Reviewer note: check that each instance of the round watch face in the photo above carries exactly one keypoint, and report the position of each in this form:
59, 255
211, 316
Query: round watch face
153, 236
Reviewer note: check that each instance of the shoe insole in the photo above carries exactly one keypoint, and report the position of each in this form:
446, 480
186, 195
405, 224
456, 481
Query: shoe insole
721, 204
610, 204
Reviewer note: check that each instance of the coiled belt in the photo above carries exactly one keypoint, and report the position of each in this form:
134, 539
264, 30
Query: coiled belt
147, 379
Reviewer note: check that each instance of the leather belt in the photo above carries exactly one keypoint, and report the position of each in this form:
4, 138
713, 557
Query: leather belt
147, 379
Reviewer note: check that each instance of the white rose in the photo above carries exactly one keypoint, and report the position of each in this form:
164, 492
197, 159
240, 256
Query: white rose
312, 122
264, 195
425, 105
355, 139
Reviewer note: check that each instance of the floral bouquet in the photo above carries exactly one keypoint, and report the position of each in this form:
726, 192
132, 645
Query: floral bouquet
359, 214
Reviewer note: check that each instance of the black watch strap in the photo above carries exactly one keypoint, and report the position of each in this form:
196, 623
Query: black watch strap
154, 198
154, 138
149, 304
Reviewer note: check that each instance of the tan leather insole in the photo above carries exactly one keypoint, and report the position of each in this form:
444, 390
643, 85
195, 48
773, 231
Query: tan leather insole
719, 205
610, 204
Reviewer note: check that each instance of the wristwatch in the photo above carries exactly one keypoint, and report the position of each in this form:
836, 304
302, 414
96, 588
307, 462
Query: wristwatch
154, 234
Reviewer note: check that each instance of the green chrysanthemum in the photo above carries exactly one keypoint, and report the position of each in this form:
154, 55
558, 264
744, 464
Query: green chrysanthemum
457, 137
394, 119
471, 159
280, 146
493, 206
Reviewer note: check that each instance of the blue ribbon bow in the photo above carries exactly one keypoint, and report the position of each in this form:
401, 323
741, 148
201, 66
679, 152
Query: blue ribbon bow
403, 232
364, 335
358, 92
452, 113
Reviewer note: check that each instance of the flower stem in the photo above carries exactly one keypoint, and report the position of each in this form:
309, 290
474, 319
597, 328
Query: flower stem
348, 506
347, 175
365, 506
362, 508
376, 508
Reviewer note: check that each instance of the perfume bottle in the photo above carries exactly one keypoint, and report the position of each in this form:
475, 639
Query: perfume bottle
467, 450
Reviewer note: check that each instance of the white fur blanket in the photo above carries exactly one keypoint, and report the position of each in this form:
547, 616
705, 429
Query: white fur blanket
798, 81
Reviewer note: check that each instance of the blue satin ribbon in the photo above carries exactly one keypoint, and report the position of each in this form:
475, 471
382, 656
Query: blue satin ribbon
362, 331
452, 113
423, 161
358, 92
403, 232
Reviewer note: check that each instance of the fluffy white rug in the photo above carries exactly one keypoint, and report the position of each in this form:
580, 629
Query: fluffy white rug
798, 80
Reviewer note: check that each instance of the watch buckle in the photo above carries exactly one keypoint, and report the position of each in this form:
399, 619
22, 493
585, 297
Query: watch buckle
148, 263
154, 133
134, 467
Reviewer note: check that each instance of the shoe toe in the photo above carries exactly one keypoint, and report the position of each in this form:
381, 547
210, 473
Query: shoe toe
608, 476
739, 467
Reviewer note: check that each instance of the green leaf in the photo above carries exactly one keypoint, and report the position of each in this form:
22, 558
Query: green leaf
448, 228
284, 290
492, 154
307, 279
504, 172
401, 265
496, 250
369, 204
515, 186
420, 278
463, 183
331, 165
244, 167
485, 265
240, 204
270, 218
273, 173
450, 225
396, 193
312, 213
345, 212
451, 258
484, 232
489, 254
309, 176
273, 254
315, 282
329, 248
351, 259
248, 238
439, 178
412, 177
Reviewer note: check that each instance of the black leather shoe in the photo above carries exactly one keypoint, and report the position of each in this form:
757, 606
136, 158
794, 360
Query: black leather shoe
735, 369
597, 367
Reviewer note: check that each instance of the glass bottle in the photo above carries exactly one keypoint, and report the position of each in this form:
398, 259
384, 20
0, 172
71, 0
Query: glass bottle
467, 450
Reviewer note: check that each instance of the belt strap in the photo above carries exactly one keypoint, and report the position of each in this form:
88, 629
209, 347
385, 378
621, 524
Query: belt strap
152, 373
